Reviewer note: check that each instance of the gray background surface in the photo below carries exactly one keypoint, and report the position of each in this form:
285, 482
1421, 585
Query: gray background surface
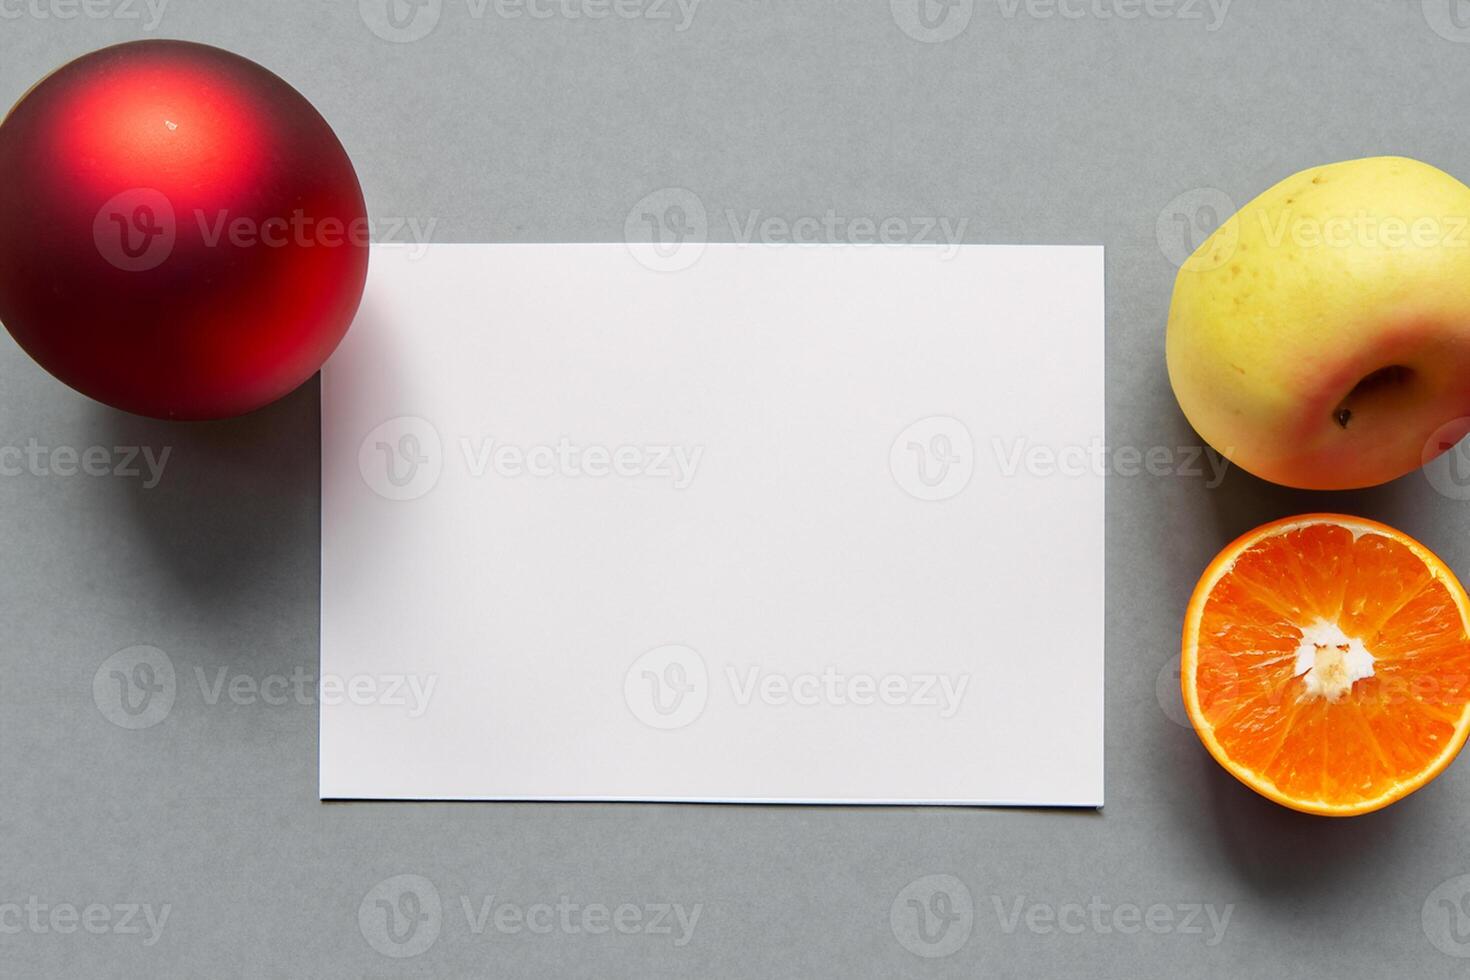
1027, 125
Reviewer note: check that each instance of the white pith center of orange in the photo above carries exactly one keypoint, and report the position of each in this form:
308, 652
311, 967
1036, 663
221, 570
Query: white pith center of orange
1330, 662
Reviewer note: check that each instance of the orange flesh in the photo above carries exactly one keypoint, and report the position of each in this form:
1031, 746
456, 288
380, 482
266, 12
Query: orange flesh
1385, 734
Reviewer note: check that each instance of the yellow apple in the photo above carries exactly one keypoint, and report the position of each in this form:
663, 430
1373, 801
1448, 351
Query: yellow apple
1320, 338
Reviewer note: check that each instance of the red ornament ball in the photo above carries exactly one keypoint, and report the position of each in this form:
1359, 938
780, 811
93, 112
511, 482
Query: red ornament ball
181, 233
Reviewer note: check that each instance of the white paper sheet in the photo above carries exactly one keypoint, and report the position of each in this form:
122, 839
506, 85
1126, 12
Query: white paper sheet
793, 524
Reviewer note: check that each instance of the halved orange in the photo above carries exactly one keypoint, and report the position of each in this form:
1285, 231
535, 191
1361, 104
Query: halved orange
1326, 663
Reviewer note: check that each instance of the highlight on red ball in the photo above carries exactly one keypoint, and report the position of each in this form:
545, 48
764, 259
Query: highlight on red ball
182, 235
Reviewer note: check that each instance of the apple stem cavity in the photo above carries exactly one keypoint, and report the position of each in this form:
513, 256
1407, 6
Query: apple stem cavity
1374, 386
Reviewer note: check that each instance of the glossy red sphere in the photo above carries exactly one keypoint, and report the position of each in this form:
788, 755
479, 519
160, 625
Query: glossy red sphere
181, 233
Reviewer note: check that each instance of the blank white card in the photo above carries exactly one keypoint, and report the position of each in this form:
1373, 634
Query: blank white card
802, 524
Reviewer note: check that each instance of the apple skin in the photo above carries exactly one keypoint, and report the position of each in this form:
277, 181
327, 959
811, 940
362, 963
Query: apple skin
1320, 338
